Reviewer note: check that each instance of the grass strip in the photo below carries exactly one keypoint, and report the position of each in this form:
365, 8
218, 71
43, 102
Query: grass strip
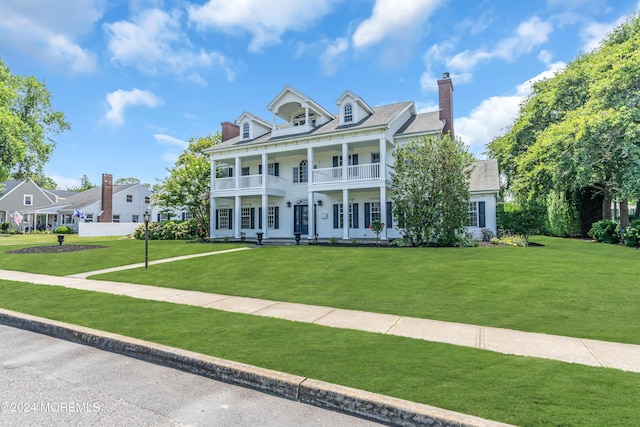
117, 253
517, 390
567, 287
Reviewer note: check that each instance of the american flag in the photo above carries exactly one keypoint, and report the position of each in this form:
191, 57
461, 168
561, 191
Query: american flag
17, 218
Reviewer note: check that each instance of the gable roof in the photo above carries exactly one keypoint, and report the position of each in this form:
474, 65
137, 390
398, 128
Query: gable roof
301, 96
357, 99
381, 117
485, 177
87, 197
8, 186
14, 184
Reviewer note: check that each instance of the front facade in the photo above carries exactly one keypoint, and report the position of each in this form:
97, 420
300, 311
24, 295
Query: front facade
19, 199
320, 174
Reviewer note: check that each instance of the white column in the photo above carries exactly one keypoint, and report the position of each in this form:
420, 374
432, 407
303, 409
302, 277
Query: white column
238, 172
265, 197
265, 211
237, 217
265, 170
306, 115
310, 196
383, 159
345, 211
383, 211
345, 160
212, 216
212, 201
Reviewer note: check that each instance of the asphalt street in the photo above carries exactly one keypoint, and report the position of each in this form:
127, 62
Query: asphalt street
47, 381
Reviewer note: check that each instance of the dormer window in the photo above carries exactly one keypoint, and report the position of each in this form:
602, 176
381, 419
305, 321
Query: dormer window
245, 130
348, 113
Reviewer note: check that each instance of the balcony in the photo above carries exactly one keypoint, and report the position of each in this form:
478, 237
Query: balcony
354, 173
250, 184
285, 129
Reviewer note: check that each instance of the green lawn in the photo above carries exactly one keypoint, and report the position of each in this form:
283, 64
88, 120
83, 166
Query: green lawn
119, 252
517, 390
566, 287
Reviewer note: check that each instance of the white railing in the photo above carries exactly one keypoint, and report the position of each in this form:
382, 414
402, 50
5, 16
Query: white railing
327, 175
360, 172
247, 181
251, 181
224, 184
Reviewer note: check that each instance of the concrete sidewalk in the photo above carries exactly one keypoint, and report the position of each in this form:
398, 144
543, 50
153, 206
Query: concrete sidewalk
572, 350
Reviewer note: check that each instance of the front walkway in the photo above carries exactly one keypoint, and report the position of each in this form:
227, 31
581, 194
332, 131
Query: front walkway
572, 350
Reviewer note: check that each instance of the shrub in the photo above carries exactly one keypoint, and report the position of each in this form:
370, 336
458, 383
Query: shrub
354, 242
170, 230
605, 231
525, 218
404, 242
4, 227
63, 230
515, 240
631, 236
333, 240
562, 215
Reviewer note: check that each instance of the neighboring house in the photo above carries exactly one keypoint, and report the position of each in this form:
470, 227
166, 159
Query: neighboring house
109, 203
25, 196
328, 175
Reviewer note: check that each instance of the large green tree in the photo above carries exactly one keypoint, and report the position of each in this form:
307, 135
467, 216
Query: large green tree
580, 130
431, 190
28, 124
187, 185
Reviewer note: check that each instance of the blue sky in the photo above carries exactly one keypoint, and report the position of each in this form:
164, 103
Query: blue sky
136, 79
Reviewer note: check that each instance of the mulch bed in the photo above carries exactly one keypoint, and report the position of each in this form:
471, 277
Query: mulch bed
54, 249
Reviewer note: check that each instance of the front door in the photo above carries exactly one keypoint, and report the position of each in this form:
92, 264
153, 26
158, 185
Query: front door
301, 219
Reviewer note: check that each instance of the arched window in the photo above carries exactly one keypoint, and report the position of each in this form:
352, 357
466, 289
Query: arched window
303, 170
348, 113
245, 130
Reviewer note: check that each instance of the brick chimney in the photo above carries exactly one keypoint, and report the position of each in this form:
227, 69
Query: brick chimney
445, 99
229, 130
107, 198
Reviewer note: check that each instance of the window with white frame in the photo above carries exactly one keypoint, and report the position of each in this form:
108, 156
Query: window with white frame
246, 171
473, 214
375, 211
129, 198
375, 157
341, 216
272, 169
89, 218
135, 218
115, 218
223, 218
67, 219
271, 217
28, 200
301, 173
245, 130
245, 219
348, 113
147, 200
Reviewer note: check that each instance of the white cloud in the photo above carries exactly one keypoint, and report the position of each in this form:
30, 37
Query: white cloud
266, 20
594, 32
529, 35
63, 182
169, 140
121, 99
391, 19
332, 55
153, 41
491, 118
49, 33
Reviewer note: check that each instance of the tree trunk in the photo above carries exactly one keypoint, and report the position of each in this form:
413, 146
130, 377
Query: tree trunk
624, 214
606, 207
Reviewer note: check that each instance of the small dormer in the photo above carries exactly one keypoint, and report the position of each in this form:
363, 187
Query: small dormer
299, 112
252, 126
352, 108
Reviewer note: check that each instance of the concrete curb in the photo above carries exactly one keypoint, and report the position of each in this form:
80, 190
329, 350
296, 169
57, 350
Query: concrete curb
372, 406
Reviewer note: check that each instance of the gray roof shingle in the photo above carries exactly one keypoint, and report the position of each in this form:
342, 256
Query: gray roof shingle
484, 176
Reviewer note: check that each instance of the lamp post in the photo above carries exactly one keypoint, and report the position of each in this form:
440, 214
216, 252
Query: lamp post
146, 239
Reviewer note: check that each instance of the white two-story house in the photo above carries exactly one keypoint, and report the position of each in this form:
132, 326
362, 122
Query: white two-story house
316, 173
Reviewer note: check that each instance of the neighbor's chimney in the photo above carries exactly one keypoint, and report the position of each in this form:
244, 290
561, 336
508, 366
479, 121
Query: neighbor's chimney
445, 99
229, 130
107, 198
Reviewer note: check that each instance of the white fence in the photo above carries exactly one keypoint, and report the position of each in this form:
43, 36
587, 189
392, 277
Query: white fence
94, 229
